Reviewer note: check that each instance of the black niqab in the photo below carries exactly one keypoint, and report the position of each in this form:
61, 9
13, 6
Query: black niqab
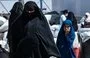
35, 39
16, 11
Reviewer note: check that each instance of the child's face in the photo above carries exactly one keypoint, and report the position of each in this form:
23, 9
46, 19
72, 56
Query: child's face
66, 29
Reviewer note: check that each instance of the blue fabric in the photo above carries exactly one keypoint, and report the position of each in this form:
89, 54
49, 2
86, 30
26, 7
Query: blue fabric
64, 43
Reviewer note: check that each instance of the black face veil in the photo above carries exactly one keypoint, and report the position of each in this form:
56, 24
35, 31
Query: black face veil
36, 25
52, 50
16, 7
37, 13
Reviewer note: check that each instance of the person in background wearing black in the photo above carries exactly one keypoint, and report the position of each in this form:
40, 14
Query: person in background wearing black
72, 17
32, 36
16, 11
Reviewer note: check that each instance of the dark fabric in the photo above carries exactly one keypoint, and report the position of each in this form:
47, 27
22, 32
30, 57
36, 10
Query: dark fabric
52, 12
54, 19
37, 43
31, 35
16, 11
86, 49
87, 25
1, 36
16, 33
64, 42
3, 53
73, 19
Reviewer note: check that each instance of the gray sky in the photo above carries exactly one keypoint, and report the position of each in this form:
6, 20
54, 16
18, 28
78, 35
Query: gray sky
8, 4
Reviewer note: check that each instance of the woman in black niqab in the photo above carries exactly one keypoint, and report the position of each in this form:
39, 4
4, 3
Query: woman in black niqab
16, 11
72, 17
33, 38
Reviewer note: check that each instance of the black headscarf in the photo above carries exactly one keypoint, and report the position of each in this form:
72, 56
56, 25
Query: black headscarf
72, 17
33, 29
16, 7
16, 11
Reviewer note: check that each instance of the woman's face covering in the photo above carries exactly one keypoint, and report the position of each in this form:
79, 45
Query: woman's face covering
66, 29
30, 11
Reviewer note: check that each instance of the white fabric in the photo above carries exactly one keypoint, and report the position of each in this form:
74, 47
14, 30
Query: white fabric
2, 19
76, 43
48, 17
62, 18
84, 30
82, 20
88, 19
4, 27
5, 45
84, 34
79, 26
55, 30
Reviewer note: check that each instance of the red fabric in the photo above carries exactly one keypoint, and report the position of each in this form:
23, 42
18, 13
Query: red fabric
77, 52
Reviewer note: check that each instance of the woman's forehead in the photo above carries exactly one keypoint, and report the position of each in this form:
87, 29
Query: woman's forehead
66, 25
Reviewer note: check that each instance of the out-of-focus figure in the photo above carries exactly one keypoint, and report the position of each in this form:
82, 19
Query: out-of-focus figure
16, 11
72, 17
3, 31
63, 16
85, 21
31, 35
65, 40
4, 49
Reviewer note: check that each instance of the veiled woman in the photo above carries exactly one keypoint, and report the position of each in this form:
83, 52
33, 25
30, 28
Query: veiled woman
72, 17
16, 11
65, 40
32, 34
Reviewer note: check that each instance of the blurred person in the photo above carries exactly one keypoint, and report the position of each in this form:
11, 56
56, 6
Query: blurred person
63, 16
76, 44
31, 35
3, 30
72, 17
16, 11
85, 19
3, 53
65, 40
2, 20
3, 38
